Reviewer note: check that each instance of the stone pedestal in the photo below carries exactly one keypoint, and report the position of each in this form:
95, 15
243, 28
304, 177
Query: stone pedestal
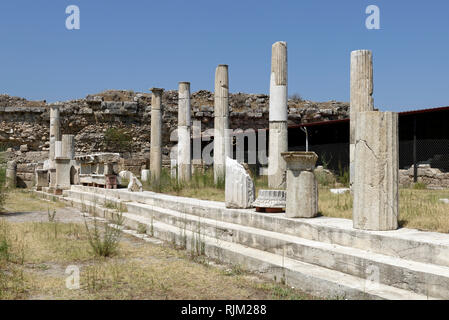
239, 187
376, 179
11, 174
52, 178
184, 142
221, 122
41, 179
278, 129
361, 97
156, 135
62, 173
64, 160
111, 181
302, 186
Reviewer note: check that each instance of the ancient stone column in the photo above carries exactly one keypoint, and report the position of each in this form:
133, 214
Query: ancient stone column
221, 122
64, 154
68, 146
55, 132
184, 142
302, 186
376, 168
278, 134
156, 135
361, 96
11, 174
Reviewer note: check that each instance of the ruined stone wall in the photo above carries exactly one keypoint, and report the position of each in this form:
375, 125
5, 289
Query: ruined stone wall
433, 178
24, 125
25, 122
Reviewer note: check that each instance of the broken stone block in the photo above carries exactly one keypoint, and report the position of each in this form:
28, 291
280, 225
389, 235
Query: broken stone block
270, 201
135, 185
145, 175
340, 190
239, 187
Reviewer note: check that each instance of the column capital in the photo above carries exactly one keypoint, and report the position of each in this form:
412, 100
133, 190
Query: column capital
157, 90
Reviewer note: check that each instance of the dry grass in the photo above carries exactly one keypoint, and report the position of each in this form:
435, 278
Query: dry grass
21, 200
138, 271
200, 187
418, 209
38, 254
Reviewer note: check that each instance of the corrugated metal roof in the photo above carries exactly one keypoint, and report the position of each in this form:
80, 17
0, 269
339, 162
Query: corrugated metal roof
403, 113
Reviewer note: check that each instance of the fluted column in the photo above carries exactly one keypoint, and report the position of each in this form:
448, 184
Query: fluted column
221, 122
361, 96
156, 135
376, 168
278, 117
184, 142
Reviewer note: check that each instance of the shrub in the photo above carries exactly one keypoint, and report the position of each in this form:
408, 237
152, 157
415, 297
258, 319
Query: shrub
419, 186
296, 97
105, 244
117, 140
343, 175
324, 178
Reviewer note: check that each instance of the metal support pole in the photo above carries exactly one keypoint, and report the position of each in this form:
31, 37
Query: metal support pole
415, 165
304, 129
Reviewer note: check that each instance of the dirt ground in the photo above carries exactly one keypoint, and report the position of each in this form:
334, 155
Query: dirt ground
42, 255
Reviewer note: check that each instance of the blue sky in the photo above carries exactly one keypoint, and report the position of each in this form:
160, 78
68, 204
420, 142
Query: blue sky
138, 44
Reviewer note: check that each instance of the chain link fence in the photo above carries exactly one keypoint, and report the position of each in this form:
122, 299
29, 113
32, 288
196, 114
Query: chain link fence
434, 152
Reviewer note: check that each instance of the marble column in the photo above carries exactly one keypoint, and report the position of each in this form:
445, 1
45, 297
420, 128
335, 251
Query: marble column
156, 135
184, 126
278, 116
11, 174
361, 97
55, 132
376, 171
221, 122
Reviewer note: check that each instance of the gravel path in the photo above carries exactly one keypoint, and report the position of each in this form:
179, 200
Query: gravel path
65, 215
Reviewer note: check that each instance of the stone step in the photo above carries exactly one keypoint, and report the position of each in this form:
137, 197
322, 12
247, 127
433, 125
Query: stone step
418, 277
409, 244
310, 278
